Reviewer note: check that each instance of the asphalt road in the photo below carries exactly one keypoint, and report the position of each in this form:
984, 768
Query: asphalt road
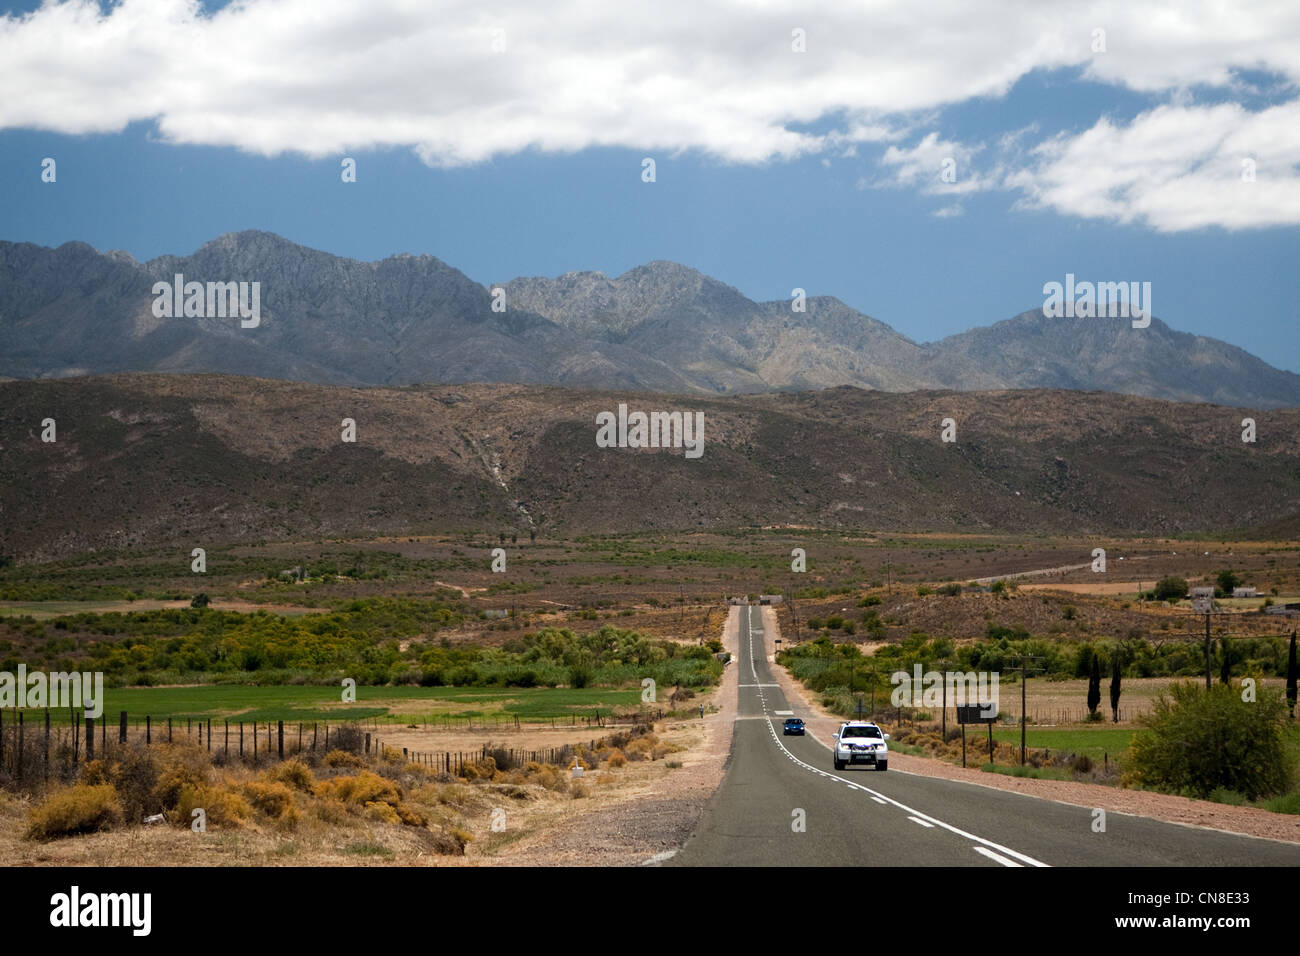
782, 803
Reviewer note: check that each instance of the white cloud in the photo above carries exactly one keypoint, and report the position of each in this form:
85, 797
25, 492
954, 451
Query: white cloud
1174, 168
325, 77
926, 164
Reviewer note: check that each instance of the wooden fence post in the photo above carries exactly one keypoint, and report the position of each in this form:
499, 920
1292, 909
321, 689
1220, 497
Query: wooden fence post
280, 738
121, 728
209, 735
169, 730
148, 730
47, 745
241, 738
90, 734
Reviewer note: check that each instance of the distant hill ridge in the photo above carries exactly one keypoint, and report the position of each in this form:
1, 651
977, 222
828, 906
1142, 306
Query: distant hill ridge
147, 460
662, 326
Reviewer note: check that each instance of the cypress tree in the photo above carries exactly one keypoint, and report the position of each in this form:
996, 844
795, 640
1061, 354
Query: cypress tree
1094, 687
1291, 675
1116, 669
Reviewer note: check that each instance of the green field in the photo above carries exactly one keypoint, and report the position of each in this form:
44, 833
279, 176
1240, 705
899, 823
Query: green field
395, 704
1092, 742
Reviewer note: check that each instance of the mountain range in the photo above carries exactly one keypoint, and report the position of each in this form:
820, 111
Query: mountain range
146, 460
662, 326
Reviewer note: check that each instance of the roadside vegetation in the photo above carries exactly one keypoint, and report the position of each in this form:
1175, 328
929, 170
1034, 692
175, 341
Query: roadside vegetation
342, 800
375, 641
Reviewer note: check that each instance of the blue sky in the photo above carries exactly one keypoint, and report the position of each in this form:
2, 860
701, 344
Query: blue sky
1124, 172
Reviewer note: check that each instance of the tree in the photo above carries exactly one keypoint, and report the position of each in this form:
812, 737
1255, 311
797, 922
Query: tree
1200, 740
1094, 687
1225, 661
1291, 677
1116, 670
1171, 589
200, 600
1083, 660
1228, 579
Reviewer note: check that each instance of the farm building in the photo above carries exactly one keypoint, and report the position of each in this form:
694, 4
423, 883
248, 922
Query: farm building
769, 599
1245, 592
1285, 610
1202, 593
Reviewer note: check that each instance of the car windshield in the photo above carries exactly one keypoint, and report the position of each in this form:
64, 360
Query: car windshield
861, 732
794, 721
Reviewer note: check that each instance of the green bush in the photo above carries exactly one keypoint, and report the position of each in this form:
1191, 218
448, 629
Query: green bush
1170, 589
1200, 741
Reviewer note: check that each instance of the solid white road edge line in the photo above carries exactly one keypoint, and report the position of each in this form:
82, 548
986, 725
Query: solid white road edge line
904, 807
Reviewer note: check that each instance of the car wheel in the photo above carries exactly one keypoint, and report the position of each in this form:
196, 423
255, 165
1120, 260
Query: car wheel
839, 765
883, 765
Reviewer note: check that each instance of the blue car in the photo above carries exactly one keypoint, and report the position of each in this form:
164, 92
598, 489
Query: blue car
793, 725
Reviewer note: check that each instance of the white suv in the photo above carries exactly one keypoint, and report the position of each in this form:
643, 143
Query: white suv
861, 742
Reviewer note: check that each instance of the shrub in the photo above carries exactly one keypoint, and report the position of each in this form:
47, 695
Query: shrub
1170, 589
359, 790
84, 808
371, 794
341, 758
616, 759
275, 800
181, 766
221, 807
1199, 741
295, 773
349, 738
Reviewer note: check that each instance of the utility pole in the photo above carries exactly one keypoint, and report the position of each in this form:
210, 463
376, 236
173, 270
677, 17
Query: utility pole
943, 714
1024, 714
1207, 650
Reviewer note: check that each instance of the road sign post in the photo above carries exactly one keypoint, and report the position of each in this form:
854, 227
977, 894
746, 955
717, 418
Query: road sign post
985, 713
